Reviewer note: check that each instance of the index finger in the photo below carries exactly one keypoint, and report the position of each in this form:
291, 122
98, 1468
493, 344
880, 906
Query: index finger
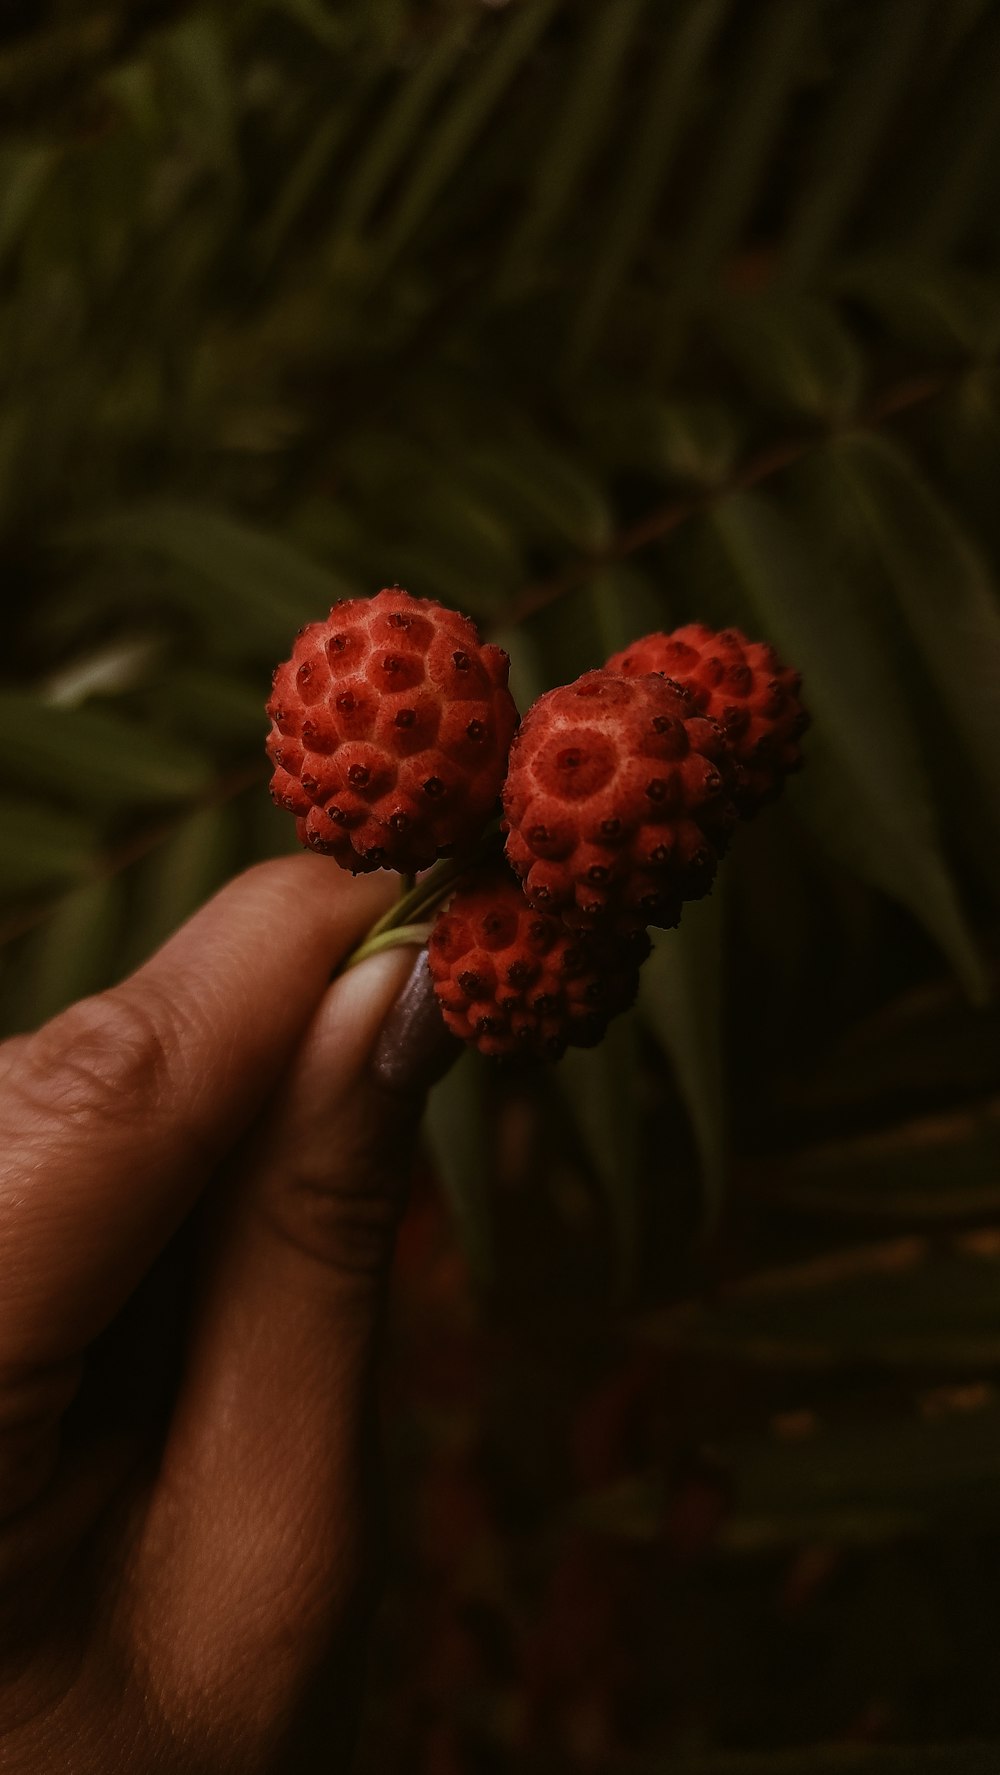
113, 1115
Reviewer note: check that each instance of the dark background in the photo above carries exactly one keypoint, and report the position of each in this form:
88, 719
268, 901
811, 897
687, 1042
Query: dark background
589, 318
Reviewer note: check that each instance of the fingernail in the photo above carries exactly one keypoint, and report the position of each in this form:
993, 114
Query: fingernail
364, 996
414, 1048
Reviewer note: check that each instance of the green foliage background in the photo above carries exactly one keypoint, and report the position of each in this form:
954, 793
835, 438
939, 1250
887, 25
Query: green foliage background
587, 318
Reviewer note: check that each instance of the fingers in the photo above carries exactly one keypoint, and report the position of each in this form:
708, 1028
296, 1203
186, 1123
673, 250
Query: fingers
112, 1116
253, 1539
414, 1048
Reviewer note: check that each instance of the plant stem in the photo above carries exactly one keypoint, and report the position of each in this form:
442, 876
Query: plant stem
392, 938
408, 920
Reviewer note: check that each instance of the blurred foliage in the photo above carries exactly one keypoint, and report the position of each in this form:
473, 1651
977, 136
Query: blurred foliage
586, 318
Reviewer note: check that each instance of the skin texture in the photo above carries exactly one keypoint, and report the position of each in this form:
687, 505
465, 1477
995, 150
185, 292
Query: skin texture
200, 1176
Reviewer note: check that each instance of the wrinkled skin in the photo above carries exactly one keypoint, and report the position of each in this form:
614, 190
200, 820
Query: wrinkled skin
200, 1176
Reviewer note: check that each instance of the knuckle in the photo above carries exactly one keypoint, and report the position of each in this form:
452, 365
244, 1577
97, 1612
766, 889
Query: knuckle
343, 1220
97, 1059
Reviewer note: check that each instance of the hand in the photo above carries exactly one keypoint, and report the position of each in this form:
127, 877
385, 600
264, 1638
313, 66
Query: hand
200, 1175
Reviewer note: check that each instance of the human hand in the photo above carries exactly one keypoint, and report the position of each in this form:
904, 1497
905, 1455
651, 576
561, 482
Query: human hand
200, 1175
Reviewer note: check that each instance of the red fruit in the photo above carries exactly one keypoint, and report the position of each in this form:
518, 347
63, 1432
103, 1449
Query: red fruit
513, 981
741, 684
391, 725
617, 801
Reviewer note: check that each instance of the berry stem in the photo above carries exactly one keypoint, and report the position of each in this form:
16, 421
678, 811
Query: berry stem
407, 920
392, 938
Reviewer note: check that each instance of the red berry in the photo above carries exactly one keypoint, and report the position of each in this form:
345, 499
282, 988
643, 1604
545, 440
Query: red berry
514, 981
617, 801
741, 684
391, 725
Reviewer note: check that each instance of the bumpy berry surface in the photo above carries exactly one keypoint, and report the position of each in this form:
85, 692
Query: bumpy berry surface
741, 684
617, 801
391, 725
517, 982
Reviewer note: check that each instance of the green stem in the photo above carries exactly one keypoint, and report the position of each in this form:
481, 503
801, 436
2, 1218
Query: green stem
389, 939
410, 913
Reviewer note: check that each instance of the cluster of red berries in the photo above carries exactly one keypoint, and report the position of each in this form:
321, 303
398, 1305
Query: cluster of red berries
394, 735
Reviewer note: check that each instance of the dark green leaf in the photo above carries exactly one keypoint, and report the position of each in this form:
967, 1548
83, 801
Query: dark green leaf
932, 309
680, 1001
250, 586
527, 678
599, 1086
949, 171
696, 441
794, 354
41, 846
726, 191
471, 106
304, 178
842, 150
692, 441
178, 878
865, 781
196, 57
542, 492
398, 130
683, 47
576, 133
96, 757
268, 831
941, 585
75, 951
212, 707
328, 26
625, 605
23, 175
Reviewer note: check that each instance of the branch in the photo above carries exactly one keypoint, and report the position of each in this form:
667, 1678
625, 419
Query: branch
914, 392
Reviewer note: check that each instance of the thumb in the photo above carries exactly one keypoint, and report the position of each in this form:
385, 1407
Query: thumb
267, 1451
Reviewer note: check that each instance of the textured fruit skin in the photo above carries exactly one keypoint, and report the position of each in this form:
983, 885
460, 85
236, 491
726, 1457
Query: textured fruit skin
742, 685
617, 801
391, 725
517, 982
